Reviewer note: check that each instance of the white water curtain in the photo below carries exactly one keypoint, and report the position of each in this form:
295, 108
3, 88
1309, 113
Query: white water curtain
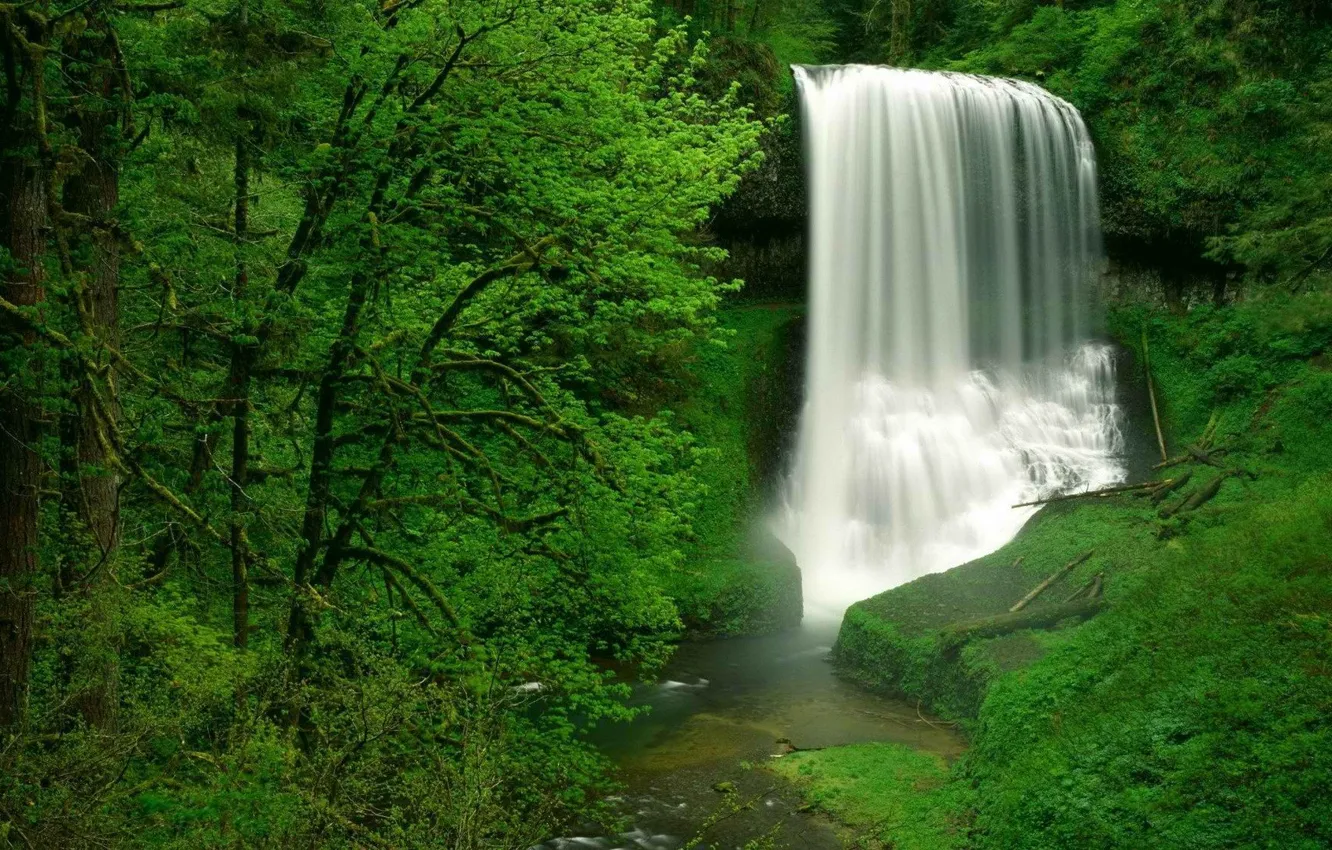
954, 239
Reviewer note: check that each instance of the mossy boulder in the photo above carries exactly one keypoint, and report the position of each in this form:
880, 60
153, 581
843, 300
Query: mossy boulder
899, 642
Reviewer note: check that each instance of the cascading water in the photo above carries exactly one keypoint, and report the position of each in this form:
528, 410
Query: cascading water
954, 235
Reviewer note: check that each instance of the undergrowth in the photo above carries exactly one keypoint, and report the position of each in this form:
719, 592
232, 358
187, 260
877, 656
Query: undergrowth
738, 580
889, 794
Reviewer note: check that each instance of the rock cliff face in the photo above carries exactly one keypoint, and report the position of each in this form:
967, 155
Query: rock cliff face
763, 227
763, 224
742, 406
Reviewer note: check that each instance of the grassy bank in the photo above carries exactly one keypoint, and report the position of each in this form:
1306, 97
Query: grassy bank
1195, 708
740, 581
885, 793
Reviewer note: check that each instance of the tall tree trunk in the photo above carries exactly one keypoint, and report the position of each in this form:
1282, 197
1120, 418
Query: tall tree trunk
1219, 286
95, 192
242, 361
24, 226
94, 489
899, 38
242, 354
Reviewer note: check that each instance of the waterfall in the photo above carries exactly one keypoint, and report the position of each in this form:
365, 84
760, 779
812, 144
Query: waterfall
954, 239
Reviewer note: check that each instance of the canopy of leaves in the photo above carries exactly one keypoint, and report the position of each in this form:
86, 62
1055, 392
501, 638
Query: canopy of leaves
391, 278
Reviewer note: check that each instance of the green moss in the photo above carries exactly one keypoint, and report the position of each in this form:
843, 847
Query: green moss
1194, 712
740, 409
891, 642
888, 794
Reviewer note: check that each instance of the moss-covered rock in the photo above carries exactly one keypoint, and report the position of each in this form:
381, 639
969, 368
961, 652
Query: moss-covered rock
762, 225
742, 406
895, 642
757, 591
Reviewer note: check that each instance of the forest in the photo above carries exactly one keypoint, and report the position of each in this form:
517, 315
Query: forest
391, 388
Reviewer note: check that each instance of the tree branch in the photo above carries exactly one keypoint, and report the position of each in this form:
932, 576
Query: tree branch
407, 571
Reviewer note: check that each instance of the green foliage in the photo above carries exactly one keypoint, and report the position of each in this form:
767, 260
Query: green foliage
755, 42
397, 288
1228, 360
801, 33
736, 580
897, 796
1188, 716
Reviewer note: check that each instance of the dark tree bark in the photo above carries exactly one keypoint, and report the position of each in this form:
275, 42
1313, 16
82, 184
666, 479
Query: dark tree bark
94, 489
899, 37
95, 192
242, 355
24, 207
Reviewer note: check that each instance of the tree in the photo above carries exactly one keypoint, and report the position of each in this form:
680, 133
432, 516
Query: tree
370, 275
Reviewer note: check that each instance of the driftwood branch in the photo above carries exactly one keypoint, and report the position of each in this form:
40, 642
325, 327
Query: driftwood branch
1091, 590
1197, 455
1151, 395
1198, 498
1054, 577
1092, 494
1202, 449
1007, 623
1209, 432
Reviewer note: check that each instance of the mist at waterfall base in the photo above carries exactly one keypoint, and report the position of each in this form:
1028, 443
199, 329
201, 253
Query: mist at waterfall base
954, 242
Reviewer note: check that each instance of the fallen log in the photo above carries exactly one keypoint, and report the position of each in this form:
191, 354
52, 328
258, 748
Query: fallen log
1056, 576
1001, 624
1092, 589
1204, 495
1168, 487
1156, 487
1091, 494
1195, 454
1197, 498
1151, 395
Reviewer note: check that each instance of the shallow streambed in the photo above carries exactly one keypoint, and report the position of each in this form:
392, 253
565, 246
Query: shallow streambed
718, 713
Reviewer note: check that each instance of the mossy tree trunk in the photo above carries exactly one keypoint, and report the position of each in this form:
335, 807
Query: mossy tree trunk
101, 112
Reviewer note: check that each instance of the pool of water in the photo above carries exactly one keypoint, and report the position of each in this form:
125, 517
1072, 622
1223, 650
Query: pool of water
721, 711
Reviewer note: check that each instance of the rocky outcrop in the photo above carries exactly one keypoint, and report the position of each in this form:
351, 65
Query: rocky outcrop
905, 642
763, 224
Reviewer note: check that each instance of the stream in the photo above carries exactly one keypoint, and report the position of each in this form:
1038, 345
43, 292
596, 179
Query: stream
717, 715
